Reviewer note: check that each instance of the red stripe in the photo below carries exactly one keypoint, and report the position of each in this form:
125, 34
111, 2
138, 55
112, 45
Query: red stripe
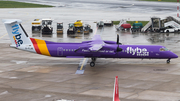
35, 46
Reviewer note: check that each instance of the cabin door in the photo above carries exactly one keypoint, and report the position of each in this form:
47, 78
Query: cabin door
60, 51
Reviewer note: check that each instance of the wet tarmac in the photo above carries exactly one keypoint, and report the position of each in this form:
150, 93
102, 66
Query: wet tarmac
27, 76
114, 5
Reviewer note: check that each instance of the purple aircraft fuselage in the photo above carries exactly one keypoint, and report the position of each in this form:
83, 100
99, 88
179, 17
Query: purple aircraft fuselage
78, 50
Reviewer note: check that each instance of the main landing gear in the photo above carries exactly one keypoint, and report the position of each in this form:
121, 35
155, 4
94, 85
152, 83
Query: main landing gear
92, 63
168, 61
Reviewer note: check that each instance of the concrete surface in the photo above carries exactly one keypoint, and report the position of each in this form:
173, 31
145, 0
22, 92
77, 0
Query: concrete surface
27, 76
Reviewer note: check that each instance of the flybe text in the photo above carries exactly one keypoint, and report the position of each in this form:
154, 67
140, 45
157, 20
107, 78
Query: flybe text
17, 36
137, 51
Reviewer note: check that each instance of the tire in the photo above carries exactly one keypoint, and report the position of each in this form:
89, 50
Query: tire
91, 30
167, 31
32, 28
68, 31
92, 64
168, 61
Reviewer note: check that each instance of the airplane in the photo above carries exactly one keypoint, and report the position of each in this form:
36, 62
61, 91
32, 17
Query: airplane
95, 48
116, 90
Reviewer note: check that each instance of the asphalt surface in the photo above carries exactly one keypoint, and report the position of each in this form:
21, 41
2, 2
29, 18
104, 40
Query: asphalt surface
27, 76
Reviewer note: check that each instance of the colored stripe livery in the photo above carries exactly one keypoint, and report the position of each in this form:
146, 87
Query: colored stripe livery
40, 46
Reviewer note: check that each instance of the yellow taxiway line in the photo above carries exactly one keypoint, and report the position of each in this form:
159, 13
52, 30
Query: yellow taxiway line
82, 64
3, 35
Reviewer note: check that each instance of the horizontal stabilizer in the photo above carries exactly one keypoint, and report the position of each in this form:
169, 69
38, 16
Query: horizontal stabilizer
11, 21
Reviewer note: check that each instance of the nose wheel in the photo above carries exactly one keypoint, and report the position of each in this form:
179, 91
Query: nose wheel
168, 61
92, 63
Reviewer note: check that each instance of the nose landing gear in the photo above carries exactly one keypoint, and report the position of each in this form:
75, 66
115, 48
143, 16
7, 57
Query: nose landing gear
92, 63
168, 61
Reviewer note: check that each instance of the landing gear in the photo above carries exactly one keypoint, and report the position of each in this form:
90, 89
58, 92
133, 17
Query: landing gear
168, 61
92, 63
93, 59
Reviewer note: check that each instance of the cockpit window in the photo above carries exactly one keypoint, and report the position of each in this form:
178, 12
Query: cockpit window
164, 49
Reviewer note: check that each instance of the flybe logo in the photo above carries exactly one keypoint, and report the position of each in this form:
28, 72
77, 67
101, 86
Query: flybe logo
137, 51
17, 37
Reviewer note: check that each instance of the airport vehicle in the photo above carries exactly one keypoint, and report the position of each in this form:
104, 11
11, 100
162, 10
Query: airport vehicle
47, 26
123, 25
78, 25
171, 29
156, 24
108, 22
137, 27
171, 26
87, 29
95, 48
36, 25
71, 29
100, 24
59, 28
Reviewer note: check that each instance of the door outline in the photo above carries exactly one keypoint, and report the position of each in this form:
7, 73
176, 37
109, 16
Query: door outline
60, 51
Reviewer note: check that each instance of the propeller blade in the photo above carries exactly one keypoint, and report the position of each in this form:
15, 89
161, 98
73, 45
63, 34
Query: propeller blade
118, 39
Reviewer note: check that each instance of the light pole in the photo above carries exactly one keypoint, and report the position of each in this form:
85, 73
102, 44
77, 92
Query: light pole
177, 8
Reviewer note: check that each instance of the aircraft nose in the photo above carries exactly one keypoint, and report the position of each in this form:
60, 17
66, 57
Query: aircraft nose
174, 55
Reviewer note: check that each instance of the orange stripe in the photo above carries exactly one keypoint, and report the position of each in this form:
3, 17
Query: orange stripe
42, 47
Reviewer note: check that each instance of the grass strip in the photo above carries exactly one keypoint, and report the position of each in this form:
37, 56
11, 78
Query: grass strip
14, 4
161, 0
131, 22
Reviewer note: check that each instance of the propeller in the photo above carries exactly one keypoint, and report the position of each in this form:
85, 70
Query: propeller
118, 39
118, 48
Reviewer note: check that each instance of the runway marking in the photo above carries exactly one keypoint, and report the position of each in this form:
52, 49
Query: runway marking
82, 64
3, 35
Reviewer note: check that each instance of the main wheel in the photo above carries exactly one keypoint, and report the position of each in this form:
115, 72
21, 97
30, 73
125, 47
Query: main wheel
68, 31
92, 64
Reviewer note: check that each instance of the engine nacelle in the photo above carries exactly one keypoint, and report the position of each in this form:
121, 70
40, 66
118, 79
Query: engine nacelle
110, 42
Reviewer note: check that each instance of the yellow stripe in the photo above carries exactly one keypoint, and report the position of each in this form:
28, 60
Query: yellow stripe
82, 64
42, 47
3, 35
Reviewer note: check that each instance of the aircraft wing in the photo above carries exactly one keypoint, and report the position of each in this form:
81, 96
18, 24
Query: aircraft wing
97, 43
96, 37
